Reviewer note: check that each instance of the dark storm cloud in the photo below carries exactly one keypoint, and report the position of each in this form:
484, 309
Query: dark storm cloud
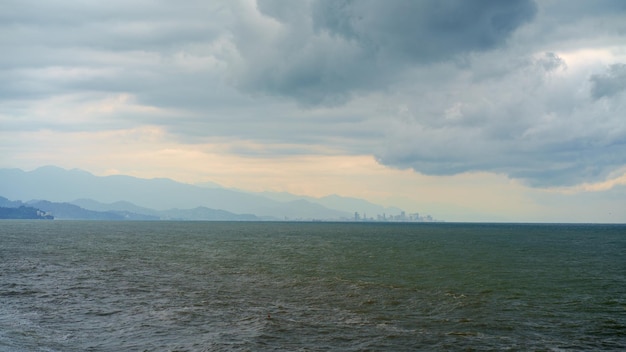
325, 52
423, 31
609, 84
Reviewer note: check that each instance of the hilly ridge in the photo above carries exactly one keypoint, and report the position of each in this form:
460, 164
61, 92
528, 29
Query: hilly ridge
166, 198
59, 185
87, 209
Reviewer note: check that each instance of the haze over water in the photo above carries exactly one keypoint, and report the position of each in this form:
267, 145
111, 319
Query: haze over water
219, 286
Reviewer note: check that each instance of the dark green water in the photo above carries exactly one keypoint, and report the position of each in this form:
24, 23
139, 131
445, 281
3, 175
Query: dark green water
209, 286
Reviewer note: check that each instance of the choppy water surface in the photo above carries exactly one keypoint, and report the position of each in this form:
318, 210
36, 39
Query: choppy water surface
209, 286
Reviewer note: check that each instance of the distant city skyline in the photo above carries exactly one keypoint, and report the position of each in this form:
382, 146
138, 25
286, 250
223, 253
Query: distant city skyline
463, 110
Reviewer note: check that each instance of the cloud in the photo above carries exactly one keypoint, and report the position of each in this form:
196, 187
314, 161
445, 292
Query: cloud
113, 47
530, 90
326, 52
539, 122
423, 31
609, 84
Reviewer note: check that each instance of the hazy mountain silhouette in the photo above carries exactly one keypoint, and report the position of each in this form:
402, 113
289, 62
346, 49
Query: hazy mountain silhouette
59, 185
122, 206
198, 213
346, 204
6, 203
67, 211
93, 210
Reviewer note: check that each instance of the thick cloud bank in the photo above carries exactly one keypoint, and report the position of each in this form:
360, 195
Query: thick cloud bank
532, 90
538, 122
324, 51
482, 87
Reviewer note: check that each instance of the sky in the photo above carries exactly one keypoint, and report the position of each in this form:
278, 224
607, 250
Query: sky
480, 110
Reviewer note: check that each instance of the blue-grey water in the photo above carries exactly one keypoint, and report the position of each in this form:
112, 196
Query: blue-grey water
218, 286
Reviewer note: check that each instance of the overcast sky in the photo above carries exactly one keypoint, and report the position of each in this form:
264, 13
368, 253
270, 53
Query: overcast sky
481, 110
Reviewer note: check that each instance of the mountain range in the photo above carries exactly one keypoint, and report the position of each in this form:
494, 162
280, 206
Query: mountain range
160, 198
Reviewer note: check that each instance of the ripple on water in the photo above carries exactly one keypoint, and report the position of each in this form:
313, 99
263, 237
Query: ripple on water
102, 286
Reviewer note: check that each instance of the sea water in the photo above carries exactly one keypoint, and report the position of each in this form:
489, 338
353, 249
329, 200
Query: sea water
264, 286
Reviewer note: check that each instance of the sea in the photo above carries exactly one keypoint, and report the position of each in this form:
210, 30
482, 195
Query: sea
296, 286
